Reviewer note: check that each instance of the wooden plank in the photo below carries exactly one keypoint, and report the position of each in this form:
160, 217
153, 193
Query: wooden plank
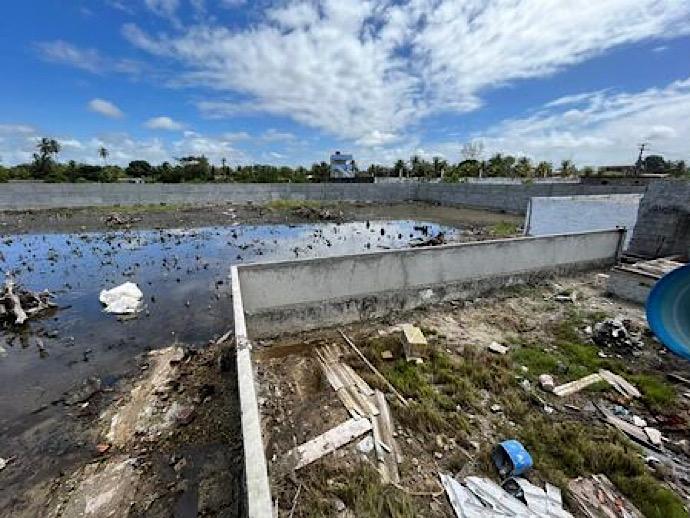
373, 369
577, 385
362, 385
380, 454
352, 407
363, 401
328, 442
330, 374
622, 385
385, 425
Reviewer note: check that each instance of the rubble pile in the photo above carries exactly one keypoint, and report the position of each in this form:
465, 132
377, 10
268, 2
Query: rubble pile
315, 214
17, 304
617, 333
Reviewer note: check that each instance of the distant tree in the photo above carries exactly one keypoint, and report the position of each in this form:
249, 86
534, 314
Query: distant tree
678, 169
43, 160
587, 171
499, 165
440, 166
469, 168
139, 169
655, 164
103, 153
400, 168
320, 172
568, 168
4, 174
523, 168
544, 169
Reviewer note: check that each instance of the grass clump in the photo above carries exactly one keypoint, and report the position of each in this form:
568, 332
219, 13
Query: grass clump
503, 229
361, 490
292, 204
658, 394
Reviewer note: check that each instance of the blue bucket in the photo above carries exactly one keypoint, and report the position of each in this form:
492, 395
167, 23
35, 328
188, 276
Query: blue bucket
511, 458
668, 311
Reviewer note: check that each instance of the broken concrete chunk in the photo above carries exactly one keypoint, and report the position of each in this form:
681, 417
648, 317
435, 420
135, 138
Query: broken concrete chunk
386, 355
638, 421
414, 343
546, 382
497, 348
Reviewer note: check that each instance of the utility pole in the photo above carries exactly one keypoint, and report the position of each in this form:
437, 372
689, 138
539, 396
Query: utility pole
639, 163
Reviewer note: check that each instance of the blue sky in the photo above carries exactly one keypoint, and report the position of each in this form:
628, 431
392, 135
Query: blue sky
289, 81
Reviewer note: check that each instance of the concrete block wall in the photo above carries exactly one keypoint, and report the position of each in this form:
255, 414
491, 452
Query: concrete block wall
663, 221
287, 296
508, 198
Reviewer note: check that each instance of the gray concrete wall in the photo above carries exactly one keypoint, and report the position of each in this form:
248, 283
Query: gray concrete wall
663, 222
508, 198
563, 214
511, 198
298, 295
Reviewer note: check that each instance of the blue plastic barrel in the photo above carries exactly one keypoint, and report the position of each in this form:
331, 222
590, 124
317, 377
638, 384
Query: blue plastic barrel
668, 311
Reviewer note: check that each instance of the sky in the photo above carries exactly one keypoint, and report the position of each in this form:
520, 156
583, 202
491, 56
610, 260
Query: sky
288, 82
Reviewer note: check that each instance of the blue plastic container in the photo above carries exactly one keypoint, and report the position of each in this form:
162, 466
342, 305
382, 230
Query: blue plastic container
511, 458
668, 311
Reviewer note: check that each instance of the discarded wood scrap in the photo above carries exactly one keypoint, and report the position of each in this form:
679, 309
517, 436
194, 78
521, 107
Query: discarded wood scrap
17, 305
373, 369
596, 496
328, 442
619, 383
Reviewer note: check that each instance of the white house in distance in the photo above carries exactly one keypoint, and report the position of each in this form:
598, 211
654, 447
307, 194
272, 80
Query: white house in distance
342, 166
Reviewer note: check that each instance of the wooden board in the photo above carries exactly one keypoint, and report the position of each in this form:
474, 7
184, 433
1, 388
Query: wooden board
385, 427
328, 442
577, 385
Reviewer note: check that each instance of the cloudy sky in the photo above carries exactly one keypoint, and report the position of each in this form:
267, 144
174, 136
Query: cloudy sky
289, 81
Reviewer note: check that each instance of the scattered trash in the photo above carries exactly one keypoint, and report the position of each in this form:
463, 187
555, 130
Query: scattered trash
123, 299
546, 382
616, 333
414, 343
511, 458
386, 355
438, 239
546, 502
497, 348
17, 305
638, 421
3, 463
597, 496
495, 408
654, 435
102, 448
577, 385
116, 220
366, 444
311, 213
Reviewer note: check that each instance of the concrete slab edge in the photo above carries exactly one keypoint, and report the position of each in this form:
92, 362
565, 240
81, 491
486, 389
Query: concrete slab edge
258, 492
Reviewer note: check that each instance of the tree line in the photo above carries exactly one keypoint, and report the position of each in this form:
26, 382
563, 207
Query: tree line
46, 167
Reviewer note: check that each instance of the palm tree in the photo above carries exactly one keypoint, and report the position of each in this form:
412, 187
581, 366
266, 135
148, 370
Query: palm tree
399, 168
103, 153
544, 169
47, 147
568, 168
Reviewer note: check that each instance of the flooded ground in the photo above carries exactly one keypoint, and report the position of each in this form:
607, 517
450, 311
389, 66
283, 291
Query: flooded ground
183, 273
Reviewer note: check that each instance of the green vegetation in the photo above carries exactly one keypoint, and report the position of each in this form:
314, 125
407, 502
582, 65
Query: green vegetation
445, 388
503, 229
360, 489
46, 167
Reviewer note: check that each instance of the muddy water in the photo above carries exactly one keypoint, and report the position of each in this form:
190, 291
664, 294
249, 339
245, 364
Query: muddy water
183, 275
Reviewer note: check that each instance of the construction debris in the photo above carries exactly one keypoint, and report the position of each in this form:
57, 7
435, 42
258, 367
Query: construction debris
117, 220
328, 442
654, 435
625, 388
438, 239
497, 348
546, 382
17, 305
414, 343
311, 213
616, 333
123, 299
481, 497
577, 385
373, 369
597, 497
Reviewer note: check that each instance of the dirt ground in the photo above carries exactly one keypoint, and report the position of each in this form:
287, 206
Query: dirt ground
161, 444
182, 216
464, 399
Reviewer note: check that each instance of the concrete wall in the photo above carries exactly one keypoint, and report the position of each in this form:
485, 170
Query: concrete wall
508, 198
512, 198
663, 222
564, 214
298, 295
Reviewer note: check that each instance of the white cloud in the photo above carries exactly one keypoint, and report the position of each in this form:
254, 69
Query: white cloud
164, 8
91, 60
164, 123
273, 135
370, 70
601, 128
105, 108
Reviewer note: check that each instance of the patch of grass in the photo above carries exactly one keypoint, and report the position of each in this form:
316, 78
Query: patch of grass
565, 450
503, 229
658, 394
293, 204
361, 490
141, 209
